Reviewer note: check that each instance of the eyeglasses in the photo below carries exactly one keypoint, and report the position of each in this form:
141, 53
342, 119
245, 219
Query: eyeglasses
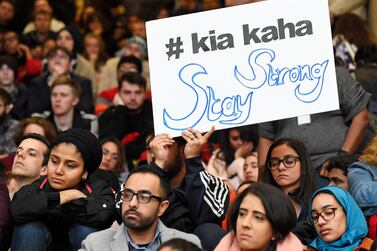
326, 214
289, 161
143, 197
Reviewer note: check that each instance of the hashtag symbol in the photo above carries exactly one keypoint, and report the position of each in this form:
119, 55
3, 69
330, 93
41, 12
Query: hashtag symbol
174, 47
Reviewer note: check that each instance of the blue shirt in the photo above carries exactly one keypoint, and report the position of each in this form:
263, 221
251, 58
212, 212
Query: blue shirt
153, 246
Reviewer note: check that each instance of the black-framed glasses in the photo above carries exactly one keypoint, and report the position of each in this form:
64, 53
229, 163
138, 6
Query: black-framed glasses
143, 197
326, 214
289, 161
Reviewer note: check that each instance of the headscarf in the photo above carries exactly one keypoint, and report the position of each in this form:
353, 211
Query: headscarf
87, 144
356, 224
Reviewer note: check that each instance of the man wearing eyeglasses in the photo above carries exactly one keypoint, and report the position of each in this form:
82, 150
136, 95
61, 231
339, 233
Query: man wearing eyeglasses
144, 200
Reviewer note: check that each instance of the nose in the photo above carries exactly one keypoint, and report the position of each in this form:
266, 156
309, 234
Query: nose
281, 166
21, 154
107, 156
246, 223
321, 221
59, 169
133, 202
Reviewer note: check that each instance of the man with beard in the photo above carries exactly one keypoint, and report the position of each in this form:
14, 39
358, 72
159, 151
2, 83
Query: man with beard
127, 122
198, 200
7, 125
141, 228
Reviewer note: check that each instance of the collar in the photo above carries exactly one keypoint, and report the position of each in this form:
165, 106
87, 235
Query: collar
155, 242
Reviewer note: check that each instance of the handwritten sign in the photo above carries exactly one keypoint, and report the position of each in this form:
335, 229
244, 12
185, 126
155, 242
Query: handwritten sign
241, 65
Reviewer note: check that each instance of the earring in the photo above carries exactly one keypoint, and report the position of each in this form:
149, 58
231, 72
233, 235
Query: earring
273, 238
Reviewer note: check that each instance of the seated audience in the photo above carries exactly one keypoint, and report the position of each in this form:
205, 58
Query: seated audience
128, 121
17, 91
7, 125
34, 125
198, 201
289, 168
28, 67
112, 168
338, 220
71, 40
64, 114
337, 169
141, 228
256, 224
58, 63
34, 39
59, 210
362, 179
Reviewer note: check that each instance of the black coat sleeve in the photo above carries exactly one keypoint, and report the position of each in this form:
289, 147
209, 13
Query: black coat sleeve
30, 203
96, 210
5, 217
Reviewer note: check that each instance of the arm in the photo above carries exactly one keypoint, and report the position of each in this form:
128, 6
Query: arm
31, 204
207, 196
362, 185
356, 132
96, 209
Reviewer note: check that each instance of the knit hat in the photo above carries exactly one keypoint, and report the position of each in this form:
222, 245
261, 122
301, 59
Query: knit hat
87, 144
9, 61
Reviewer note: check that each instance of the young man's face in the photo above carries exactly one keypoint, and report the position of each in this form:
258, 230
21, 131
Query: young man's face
42, 23
132, 95
6, 12
6, 76
63, 100
10, 40
65, 168
29, 157
337, 178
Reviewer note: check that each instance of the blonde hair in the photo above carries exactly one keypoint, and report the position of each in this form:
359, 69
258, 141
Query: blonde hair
370, 153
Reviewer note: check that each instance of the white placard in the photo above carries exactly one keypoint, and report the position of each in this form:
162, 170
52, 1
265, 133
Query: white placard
241, 65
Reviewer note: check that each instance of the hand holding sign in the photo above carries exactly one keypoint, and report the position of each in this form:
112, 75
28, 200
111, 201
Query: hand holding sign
195, 141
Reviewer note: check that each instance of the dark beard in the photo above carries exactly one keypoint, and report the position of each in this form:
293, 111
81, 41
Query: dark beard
175, 167
144, 224
3, 117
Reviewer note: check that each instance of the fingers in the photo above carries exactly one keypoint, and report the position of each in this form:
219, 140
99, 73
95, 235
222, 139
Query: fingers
161, 140
191, 134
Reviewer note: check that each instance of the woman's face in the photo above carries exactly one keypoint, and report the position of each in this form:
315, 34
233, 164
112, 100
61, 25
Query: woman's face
250, 168
34, 128
65, 40
287, 178
332, 220
65, 168
110, 157
253, 229
92, 46
235, 140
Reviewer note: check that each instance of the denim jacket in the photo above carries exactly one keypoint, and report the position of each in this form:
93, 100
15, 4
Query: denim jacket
362, 182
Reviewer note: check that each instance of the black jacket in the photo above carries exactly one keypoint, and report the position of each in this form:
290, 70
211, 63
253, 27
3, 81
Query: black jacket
39, 94
38, 201
118, 121
205, 196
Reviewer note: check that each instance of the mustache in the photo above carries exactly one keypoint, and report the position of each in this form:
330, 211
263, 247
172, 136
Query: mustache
131, 211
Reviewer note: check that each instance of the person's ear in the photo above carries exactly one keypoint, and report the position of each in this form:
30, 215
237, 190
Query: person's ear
43, 171
163, 206
75, 101
84, 175
8, 108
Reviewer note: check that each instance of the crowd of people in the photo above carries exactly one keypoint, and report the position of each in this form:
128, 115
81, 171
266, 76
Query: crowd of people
81, 167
